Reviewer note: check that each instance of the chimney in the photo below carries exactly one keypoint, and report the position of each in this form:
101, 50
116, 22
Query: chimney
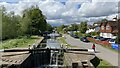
115, 18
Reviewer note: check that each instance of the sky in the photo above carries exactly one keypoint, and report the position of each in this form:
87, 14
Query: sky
67, 12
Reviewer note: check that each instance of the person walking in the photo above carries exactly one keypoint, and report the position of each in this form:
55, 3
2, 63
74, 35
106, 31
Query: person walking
93, 47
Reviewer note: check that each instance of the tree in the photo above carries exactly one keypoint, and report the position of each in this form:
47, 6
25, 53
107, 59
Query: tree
60, 28
33, 21
104, 20
49, 27
118, 39
74, 27
10, 25
83, 27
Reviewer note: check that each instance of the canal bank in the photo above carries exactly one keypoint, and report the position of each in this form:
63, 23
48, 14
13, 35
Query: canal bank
17, 59
50, 53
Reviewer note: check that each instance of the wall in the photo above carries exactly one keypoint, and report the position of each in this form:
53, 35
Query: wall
107, 35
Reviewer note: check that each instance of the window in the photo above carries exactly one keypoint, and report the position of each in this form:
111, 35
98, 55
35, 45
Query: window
107, 27
102, 27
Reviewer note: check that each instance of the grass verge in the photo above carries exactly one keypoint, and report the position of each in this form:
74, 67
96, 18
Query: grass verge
105, 46
62, 40
104, 64
18, 42
110, 48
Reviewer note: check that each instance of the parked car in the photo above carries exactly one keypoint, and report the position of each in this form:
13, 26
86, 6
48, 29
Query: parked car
111, 41
84, 39
75, 36
104, 39
98, 37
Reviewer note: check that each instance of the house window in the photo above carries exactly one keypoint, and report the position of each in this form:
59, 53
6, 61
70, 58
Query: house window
107, 27
102, 27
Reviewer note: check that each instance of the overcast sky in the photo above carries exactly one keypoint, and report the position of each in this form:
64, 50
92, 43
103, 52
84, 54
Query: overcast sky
67, 11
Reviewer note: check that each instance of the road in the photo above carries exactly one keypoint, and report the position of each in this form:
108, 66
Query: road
104, 53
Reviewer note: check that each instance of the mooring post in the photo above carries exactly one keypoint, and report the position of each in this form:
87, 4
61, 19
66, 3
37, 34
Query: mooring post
48, 51
75, 65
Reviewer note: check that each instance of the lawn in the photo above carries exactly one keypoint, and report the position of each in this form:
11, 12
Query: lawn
104, 64
18, 42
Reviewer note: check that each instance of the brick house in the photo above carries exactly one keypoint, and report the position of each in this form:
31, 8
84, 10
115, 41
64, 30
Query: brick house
109, 29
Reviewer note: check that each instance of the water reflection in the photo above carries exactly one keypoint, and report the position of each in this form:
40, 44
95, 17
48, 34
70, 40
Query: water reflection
52, 43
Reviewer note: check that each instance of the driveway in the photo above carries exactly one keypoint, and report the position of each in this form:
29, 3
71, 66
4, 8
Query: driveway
104, 53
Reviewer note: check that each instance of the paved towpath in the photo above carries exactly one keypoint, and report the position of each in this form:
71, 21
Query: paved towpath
104, 53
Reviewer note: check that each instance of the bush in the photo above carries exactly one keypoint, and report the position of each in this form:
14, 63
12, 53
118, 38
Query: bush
76, 33
94, 33
118, 39
87, 35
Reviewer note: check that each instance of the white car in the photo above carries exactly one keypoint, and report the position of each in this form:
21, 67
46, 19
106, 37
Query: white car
111, 41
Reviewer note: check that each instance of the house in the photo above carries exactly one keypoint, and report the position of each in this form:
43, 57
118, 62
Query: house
93, 28
97, 26
109, 29
90, 29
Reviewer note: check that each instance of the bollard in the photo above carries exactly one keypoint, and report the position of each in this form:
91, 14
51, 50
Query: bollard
74, 65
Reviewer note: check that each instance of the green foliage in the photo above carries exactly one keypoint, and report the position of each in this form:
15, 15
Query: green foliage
104, 20
18, 42
10, 25
87, 35
83, 27
76, 33
60, 28
33, 21
49, 28
74, 27
29, 24
118, 39
94, 33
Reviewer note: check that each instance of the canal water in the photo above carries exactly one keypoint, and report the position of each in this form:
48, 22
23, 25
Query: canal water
56, 59
52, 43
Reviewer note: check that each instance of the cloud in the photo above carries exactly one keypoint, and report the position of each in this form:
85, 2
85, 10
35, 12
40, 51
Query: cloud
97, 9
68, 11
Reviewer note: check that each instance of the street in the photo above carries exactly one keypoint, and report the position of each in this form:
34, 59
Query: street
103, 53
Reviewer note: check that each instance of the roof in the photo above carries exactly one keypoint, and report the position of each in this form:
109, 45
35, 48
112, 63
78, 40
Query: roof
103, 23
90, 27
113, 24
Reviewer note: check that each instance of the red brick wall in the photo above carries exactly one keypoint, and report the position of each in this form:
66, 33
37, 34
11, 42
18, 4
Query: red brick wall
104, 43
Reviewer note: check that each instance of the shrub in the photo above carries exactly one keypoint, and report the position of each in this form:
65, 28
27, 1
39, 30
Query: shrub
94, 33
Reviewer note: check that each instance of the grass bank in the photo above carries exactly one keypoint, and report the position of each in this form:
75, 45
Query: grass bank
104, 64
99, 63
62, 40
18, 42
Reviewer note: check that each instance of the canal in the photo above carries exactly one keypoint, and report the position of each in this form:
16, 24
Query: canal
55, 58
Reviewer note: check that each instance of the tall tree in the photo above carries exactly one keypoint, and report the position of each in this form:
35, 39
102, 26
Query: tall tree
83, 27
33, 21
49, 27
74, 27
10, 25
60, 28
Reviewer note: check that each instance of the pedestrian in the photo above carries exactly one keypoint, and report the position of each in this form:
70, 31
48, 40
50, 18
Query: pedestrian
93, 47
